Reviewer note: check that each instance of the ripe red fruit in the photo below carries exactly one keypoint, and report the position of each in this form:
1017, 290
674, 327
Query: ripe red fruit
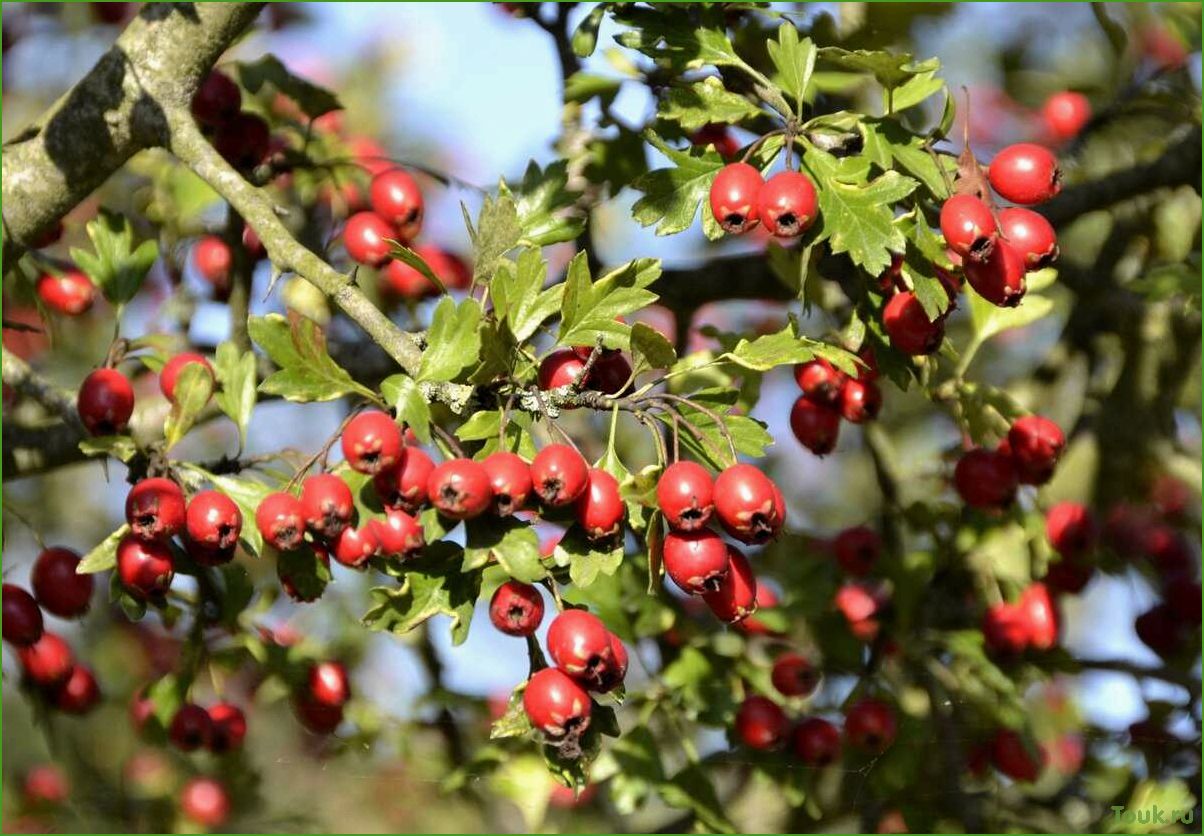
860, 401
560, 368
1036, 444
154, 509
70, 294
48, 661
105, 402
227, 727
764, 597
317, 718
190, 728
734, 196
280, 519
1169, 551
397, 199
406, 282
736, 597
58, 587
746, 503
697, 561
715, 134
354, 546
985, 479
616, 671
372, 442
510, 478
327, 504
870, 725
685, 495
861, 603
205, 801
145, 568
1068, 575
327, 684
78, 694
217, 100
794, 675
760, 723
243, 141
857, 549
399, 534
816, 742
404, 486
579, 644
171, 372
908, 326
1071, 529
365, 237
817, 427
460, 489
555, 704
1000, 277
787, 204
1030, 235
1065, 114
600, 509
820, 381
559, 474
214, 522
44, 785
1005, 629
212, 259
1025, 173
1158, 629
516, 608
968, 227
1013, 758
610, 373
1040, 616
22, 618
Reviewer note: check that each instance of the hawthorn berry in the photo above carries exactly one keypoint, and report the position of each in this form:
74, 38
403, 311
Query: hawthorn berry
1159, 629
908, 326
1014, 758
559, 474
999, 278
1040, 617
1030, 235
213, 521
510, 478
1068, 575
398, 534
870, 725
1184, 601
22, 618
154, 509
697, 561
327, 504
857, 549
280, 519
736, 597
217, 100
105, 402
1025, 173
315, 717
251, 243
1169, 551
716, 134
516, 608
69, 294
48, 661
555, 704
685, 495
760, 723
969, 227
144, 567
365, 235
985, 479
615, 672
460, 489
816, 742
746, 503
861, 603
372, 442
1065, 114
1004, 629
212, 259
611, 371
404, 281
1036, 444
353, 546
327, 683
820, 381
78, 694
817, 427
794, 675
172, 368
227, 727
560, 368
61, 590
45, 785
734, 197
244, 140
404, 486
205, 802
600, 508
787, 204
579, 644
860, 401
397, 199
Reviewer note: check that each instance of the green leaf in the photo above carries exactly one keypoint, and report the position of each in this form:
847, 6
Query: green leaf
748, 435
889, 145
247, 494
453, 341
915, 90
691, 789
890, 69
686, 39
116, 266
302, 570
518, 295
785, 347
590, 309
545, 205
989, 320
584, 558
298, 347
405, 396
585, 36
498, 231
706, 102
672, 195
103, 556
434, 585
312, 99
404, 254
514, 722
795, 61
120, 447
511, 542
581, 86
194, 387
236, 373
650, 349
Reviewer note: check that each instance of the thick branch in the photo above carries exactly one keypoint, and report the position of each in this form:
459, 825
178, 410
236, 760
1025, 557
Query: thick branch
26, 381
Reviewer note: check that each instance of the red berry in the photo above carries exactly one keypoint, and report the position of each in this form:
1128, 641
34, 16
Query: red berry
1068, 575
398, 534
397, 199
736, 597
999, 278
1025, 173
1030, 235
251, 243
1036, 444
968, 227
327, 684
1040, 616
787, 204
559, 474
404, 281
861, 603
1004, 629
315, 717
697, 561
555, 704
600, 509
106, 402
22, 618
78, 693
59, 588
616, 671
611, 371
817, 427
243, 141
820, 381
171, 372
560, 368
870, 725
734, 196
205, 802
985, 479
70, 294
1014, 758
794, 675
764, 598
516, 608
214, 521
212, 259
860, 401
354, 546
154, 509
746, 503
280, 519
460, 489
372, 442
217, 100
716, 134
327, 505
209, 556
510, 478
48, 661
579, 644
857, 550
365, 236
190, 728
760, 723
908, 326
816, 742
1065, 114
1158, 629
227, 727
685, 495
145, 568
404, 487
1184, 601
1169, 551
45, 785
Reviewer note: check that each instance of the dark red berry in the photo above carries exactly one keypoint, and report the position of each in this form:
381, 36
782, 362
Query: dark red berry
870, 725
510, 477
555, 704
327, 684
217, 100
399, 535
908, 326
22, 618
610, 374
460, 489
999, 278
1036, 444
685, 495
1183, 599
746, 503
78, 694
327, 504
1004, 629
227, 727
396, 197
1071, 529
579, 645
1065, 114
559, 474
794, 675
985, 479
1025, 173
243, 141
760, 723
857, 550
154, 509
1158, 629
315, 717
734, 197
106, 402
280, 519
860, 401
817, 427
353, 547
616, 671
600, 509
816, 742
1068, 575
736, 597
58, 587
214, 522
205, 802
212, 259
820, 381
171, 372
70, 294
48, 661
404, 486
968, 227
145, 568
366, 236
697, 561
1014, 758
1031, 235
372, 442
190, 728
516, 608
787, 204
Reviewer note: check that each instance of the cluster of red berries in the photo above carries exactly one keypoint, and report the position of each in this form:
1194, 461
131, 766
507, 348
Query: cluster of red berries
219, 729
786, 204
1031, 622
988, 479
588, 657
244, 139
870, 724
106, 397
828, 394
70, 292
610, 373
